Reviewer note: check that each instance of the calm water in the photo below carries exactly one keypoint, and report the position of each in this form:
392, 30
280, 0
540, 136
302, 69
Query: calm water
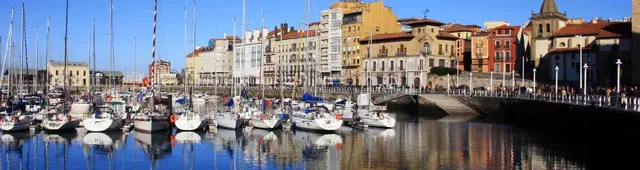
415, 143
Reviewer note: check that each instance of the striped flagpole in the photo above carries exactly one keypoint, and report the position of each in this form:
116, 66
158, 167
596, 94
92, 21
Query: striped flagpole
153, 51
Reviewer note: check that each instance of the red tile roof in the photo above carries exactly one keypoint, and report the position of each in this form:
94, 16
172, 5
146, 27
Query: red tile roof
459, 28
472, 26
601, 29
297, 34
426, 21
559, 50
446, 35
514, 30
388, 36
231, 38
406, 19
314, 23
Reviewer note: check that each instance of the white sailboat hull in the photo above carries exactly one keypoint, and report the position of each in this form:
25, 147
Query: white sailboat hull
373, 120
190, 124
58, 125
271, 123
229, 122
319, 124
151, 125
102, 125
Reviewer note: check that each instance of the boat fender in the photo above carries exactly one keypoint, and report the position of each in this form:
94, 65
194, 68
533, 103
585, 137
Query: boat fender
339, 117
108, 98
381, 116
68, 117
173, 118
261, 116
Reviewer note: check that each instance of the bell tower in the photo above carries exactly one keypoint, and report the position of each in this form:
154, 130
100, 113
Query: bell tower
548, 21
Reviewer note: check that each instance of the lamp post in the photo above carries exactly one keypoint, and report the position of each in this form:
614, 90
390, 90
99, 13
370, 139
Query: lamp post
534, 80
457, 70
522, 74
471, 81
580, 45
448, 82
618, 76
513, 80
557, 69
491, 81
585, 78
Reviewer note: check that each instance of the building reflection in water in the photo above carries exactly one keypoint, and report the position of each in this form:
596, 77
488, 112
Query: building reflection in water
418, 144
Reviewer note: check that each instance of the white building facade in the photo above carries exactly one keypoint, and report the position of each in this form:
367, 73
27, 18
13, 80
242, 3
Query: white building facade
330, 43
216, 63
248, 57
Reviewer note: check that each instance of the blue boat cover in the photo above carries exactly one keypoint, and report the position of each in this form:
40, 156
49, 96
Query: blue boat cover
230, 103
182, 100
244, 94
309, 98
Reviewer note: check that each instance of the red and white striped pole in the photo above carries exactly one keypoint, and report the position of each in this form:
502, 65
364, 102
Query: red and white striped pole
153, 51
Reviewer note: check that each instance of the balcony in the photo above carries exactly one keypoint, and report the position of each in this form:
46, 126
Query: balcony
401, 54
498, 59
425, 53
497, 46
382, 54
507, 47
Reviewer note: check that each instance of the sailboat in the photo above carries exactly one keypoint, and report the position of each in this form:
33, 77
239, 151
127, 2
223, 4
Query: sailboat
369, 114
155, 117
316, 116
105, 118
232, 119
191, 120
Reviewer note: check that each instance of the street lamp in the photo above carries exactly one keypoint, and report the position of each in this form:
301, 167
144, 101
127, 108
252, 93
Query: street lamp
534, 80
448, 82
522, 74
580, 45
585, 78
471, 81
557, 69
618, 77
491, 81
513, 80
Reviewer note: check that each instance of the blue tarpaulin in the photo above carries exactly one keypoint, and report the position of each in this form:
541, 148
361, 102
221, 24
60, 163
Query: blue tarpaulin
230, 103
309, 98
182, 100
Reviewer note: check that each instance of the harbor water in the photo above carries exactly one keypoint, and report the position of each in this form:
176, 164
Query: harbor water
415, 143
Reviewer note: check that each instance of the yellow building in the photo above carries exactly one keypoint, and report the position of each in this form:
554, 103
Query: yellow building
401, 55
480, 52
78, 74
193, 63
359, 21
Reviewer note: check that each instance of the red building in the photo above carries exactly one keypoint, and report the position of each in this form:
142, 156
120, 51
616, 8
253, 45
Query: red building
503, 48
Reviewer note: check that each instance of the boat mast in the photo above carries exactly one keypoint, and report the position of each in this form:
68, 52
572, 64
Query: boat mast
7, 50
46, 78
22, 43
235, 89
185, 44
89, 62
195, 53
66, 55
261, 58
110, 47
244, 50
135, 59
36, 84
281, 71
93, 73
370, 68
153, 50
297, 68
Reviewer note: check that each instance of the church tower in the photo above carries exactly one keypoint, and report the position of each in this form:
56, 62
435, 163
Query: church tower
545, 23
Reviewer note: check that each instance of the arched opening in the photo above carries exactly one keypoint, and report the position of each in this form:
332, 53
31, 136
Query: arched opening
392, 81
540, 28
380, 82
416, 82
426, 48
548, 27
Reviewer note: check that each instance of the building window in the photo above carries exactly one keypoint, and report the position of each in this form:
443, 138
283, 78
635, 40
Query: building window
56, 72
427, 48
497, 56
431, 62
497, 68
540, 28
446, 48
431, 30
392, 66
497, 44
401, 65
507, 67
84, 73
562, 44
507, 56
508, 31
374, 66
84, 81
422, 64
548, 27
419, 30
507, 44
441, 63
440, 49
377, 29
382, 66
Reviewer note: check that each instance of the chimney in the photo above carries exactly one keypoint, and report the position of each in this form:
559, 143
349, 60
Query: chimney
247, 35
284, 27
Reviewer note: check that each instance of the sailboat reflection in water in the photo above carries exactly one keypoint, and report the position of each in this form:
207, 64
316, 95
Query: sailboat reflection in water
156, 145
102, 143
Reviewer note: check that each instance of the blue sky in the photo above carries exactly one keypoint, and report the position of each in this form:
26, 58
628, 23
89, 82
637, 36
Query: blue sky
134, 18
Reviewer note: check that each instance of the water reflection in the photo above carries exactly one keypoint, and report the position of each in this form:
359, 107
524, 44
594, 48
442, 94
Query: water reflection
418, 144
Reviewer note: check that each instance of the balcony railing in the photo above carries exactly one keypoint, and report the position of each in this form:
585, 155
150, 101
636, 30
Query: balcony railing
507, 46
401, 53
382, 54
425, 52
497, 46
